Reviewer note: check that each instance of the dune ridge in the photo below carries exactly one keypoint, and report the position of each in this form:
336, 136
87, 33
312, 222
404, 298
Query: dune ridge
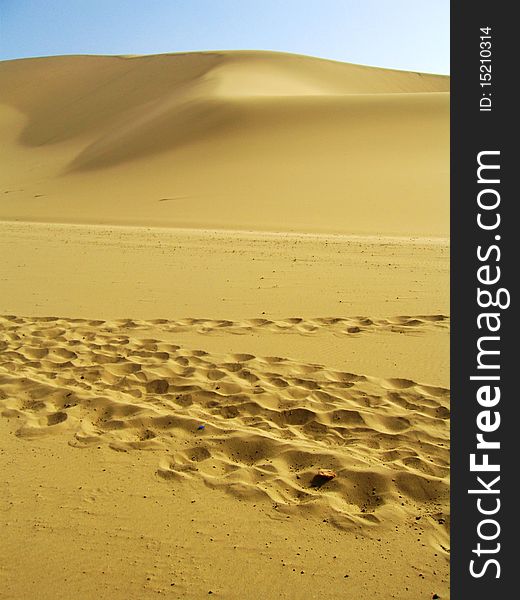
187, 140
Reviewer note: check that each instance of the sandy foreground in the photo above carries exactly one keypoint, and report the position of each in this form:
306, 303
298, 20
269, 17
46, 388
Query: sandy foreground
221, 273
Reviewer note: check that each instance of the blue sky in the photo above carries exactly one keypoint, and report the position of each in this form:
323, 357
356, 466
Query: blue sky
402, 34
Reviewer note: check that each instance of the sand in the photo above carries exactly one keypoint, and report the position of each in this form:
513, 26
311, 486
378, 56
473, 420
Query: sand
221, 273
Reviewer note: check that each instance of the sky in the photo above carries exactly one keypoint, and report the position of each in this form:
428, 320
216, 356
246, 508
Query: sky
403, 34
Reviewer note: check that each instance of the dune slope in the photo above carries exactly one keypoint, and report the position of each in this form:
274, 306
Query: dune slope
243, 140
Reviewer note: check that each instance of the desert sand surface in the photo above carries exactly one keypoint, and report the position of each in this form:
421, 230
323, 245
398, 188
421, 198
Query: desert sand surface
222, 272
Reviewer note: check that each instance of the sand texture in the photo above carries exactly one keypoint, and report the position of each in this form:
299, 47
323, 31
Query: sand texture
266, 423
222, 273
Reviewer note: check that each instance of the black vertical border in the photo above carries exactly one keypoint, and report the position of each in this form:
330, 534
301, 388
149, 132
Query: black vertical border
473, 131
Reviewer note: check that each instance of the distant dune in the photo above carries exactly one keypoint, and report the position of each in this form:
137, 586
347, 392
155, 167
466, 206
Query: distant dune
233, 140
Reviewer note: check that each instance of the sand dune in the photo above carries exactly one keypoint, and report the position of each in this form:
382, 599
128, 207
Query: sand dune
238, 140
